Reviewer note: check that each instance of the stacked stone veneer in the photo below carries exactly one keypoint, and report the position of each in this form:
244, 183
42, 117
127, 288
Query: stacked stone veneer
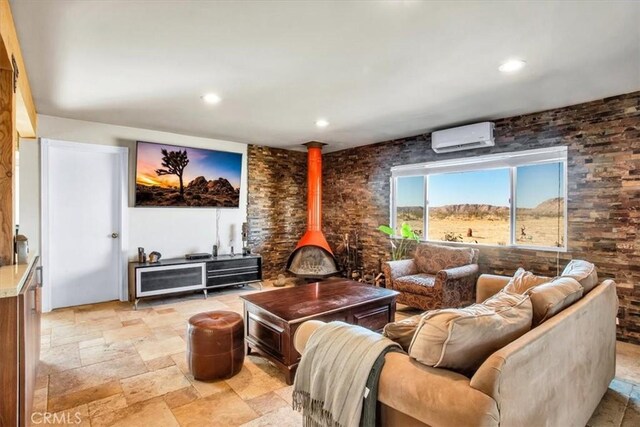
277, 208
603, 139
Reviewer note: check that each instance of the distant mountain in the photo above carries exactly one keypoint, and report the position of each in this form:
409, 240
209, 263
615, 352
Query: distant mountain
547, 208
471, 211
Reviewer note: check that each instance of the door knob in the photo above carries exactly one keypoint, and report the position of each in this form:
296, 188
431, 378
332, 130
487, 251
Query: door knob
114, 235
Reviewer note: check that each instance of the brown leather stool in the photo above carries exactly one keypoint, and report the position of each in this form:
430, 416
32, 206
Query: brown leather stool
215, 345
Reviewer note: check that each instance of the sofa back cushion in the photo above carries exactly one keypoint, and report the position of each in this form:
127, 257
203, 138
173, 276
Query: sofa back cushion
402, 331
584, 272
461, 339
523, 280
430, 258
552, 297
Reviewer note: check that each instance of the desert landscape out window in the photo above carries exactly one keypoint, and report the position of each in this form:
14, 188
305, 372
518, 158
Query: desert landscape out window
510, 199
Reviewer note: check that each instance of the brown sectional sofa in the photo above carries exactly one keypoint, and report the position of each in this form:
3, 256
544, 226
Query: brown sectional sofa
554, 375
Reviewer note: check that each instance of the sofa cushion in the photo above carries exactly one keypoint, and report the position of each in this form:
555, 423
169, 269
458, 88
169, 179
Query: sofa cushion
421, 284
461, 339
551, 298
523, 280
432, 258
584, 272
402, 331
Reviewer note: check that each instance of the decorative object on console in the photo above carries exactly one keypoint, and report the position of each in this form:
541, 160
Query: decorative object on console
214, 251
142, 257
154, 257
217, 242
400, 246
199, 255
169, 175
245, 239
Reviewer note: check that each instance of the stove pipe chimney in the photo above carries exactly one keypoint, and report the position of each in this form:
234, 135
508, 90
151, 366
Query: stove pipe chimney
312, 257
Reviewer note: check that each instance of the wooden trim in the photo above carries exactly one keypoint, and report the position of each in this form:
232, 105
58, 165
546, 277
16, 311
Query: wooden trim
26, 118
7, 166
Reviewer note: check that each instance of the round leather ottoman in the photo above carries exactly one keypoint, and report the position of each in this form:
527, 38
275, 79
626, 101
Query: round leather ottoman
215, 345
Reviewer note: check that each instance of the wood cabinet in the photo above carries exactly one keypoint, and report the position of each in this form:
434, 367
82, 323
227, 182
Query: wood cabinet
20, 317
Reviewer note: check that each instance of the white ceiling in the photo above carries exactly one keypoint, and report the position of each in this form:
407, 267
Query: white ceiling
375, 70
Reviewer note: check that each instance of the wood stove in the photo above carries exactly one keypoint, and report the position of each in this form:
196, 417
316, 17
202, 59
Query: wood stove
312, 258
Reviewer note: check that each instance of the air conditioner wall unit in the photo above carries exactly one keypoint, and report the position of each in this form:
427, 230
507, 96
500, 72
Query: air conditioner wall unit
478, 135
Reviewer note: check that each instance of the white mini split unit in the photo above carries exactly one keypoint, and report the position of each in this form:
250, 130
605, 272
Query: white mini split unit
467, 137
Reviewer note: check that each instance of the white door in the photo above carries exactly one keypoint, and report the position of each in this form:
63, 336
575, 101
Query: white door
82, 231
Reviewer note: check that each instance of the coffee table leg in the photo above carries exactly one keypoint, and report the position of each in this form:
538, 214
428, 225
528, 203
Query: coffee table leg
290, 374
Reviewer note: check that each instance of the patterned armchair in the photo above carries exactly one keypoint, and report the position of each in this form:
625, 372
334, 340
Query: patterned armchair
437, 277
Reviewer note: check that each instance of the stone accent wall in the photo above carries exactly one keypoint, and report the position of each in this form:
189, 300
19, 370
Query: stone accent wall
603, 138
277, 208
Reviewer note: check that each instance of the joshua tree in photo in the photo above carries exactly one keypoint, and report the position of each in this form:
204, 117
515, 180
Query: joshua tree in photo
174, 162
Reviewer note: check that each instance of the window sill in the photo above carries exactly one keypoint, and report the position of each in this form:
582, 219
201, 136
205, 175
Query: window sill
563, 249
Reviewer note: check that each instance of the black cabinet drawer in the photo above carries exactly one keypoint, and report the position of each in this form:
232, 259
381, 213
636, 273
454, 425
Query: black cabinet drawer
240, 262
223, 279
228, 271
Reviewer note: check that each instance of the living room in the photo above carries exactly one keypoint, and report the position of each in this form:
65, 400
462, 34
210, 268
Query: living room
320, 213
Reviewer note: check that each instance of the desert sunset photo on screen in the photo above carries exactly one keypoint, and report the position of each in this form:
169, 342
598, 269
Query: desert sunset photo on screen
169, 175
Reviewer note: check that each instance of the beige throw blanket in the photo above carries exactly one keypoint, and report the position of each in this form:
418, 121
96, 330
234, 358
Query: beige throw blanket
331, 379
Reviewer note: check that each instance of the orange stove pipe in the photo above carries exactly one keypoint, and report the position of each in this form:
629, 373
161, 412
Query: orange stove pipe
314, 187
314, 235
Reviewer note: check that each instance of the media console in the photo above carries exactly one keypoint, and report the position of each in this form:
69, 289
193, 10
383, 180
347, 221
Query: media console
175, 275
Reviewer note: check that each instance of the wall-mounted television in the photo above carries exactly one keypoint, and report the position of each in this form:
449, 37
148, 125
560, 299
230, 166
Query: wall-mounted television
175, 176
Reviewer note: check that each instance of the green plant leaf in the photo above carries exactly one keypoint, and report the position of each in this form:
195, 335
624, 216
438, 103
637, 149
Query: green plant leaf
406, 231
386, 230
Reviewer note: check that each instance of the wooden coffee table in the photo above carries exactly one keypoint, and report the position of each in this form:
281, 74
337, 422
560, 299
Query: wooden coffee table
272, 317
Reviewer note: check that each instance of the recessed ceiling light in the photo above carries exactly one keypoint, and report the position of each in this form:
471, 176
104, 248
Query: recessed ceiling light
322, 123
512, 65
211, 98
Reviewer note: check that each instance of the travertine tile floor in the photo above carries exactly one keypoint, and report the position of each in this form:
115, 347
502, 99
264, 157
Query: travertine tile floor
109, 365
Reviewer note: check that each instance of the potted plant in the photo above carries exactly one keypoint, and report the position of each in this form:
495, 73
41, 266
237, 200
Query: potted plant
400, 243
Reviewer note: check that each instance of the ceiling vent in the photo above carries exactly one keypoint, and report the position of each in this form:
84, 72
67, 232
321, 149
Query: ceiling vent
478, 135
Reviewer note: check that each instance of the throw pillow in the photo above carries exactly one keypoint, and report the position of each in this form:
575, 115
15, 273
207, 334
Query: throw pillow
432, 258
584, 272
522, 281
551, 298
461, 339
402, 331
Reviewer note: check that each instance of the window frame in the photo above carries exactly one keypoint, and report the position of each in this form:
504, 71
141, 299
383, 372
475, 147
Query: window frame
511, 161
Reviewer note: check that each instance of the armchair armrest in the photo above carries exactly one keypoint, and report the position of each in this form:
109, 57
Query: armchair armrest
457, 273
457, 285
488, 285
395, 269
